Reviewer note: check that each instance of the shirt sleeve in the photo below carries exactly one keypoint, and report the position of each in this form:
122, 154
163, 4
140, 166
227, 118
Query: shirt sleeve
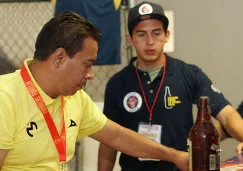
203, 86
93, 119
111, 101
240, 109
7, 121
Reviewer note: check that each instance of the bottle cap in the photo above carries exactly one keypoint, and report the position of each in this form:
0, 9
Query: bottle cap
204, 101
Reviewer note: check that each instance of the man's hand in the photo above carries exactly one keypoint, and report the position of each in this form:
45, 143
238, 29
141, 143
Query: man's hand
182, 161
239, 148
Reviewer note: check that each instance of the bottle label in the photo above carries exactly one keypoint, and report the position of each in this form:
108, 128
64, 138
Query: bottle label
189, 144
203, 159
212, 162
214, 159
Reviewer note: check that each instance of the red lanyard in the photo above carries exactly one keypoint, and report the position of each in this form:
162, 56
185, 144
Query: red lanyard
157, 93
59, 140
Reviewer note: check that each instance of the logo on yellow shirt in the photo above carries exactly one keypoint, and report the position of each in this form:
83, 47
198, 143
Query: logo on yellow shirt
72, 123
31, 127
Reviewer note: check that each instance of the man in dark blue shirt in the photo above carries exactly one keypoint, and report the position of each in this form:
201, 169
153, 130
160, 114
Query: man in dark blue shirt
240, 109
154, 94
224, 134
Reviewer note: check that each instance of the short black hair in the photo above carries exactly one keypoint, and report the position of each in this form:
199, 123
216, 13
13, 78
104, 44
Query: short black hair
65, 30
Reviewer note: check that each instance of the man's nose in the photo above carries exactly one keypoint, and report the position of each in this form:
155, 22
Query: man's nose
89, 75
150, 39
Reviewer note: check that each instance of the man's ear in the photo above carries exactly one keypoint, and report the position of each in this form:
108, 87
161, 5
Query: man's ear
129, 39
59, 56
167, 36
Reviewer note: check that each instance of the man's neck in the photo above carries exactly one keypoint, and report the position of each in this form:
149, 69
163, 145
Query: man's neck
43, 77
150, 65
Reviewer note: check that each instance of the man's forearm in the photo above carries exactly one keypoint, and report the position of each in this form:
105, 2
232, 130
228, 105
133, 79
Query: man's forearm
143, 149
235, 131
232, 122
131, 143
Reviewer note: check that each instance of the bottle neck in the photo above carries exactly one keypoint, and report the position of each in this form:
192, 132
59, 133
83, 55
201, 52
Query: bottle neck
203, 114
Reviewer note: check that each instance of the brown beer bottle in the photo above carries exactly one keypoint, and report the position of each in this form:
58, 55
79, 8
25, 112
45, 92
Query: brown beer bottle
203, 141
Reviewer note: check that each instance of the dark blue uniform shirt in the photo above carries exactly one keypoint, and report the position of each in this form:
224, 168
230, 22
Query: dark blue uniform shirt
183, 85
240, 109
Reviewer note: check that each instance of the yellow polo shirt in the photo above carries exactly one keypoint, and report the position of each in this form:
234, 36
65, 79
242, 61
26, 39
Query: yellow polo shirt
23, 129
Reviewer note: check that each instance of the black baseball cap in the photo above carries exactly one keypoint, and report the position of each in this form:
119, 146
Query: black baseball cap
146, 10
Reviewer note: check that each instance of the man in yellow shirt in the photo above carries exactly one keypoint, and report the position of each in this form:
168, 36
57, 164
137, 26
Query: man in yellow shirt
43, 109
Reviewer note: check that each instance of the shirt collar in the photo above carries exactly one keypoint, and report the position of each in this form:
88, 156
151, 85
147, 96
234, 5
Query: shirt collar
170, 68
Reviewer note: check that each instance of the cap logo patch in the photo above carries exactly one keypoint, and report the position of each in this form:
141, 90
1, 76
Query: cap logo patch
145, 9
132, 102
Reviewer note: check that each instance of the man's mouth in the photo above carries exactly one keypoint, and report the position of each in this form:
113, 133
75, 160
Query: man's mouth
150, 52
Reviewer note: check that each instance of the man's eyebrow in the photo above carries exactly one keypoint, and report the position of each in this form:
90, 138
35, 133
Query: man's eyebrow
143, 31
92, 61
158, 29
140, 31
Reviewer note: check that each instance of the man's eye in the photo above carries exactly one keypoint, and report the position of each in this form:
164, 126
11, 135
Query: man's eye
157, 33
140, 35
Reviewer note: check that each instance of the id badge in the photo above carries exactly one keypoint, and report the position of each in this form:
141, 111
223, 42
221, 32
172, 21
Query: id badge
152, 132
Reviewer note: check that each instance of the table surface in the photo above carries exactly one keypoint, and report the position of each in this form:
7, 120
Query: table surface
233, 164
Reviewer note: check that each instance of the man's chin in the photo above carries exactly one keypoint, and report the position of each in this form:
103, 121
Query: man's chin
80, 88
75, 91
